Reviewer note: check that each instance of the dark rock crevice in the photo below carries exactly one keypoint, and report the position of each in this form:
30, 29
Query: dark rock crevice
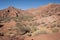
1, 26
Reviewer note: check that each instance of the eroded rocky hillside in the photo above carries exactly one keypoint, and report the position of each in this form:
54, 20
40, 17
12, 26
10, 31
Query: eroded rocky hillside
17, 24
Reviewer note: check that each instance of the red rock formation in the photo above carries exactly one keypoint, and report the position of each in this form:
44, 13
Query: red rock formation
16, 24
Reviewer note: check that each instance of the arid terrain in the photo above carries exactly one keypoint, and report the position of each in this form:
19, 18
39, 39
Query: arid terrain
42, 23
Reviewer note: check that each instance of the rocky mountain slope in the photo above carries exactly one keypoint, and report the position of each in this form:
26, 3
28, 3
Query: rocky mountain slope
17, 24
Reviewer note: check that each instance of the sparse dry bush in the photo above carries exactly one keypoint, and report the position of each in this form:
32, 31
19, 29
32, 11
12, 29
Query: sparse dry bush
12, 31
54, 25
23, 29
58, 25
38, 32
55, 30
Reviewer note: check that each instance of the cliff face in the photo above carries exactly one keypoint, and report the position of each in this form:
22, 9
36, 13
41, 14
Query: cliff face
20, 24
